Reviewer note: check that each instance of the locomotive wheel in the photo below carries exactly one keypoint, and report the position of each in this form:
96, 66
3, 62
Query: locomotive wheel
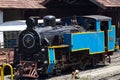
82, 64
94, 62
58, 72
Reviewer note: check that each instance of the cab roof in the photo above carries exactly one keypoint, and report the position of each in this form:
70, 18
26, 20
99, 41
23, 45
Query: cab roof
98, 17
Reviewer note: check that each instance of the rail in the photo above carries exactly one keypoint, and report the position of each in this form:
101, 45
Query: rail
2, 70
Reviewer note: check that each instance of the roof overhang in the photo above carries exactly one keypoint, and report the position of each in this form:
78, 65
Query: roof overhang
98, 4
22, 4
106, 3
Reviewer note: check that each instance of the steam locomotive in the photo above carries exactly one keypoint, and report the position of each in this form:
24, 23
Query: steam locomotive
72, 42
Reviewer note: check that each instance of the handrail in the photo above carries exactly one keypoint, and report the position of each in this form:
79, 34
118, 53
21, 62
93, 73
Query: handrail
2, 71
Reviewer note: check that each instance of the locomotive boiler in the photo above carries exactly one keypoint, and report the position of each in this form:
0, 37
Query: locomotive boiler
73, 42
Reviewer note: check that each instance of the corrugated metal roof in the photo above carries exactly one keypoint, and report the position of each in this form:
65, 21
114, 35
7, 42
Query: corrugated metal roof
107, 3
22, 4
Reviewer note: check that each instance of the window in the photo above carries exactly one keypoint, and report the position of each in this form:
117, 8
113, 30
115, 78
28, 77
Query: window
104, 25
10, 39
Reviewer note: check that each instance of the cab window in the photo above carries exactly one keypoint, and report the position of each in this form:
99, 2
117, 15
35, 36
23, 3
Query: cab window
104, 25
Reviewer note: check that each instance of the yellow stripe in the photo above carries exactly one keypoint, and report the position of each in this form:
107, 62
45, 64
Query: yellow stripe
110, 50
113, 25
60, 46
98, 52
81, 49
89, 51
49, 55
85, 32
116, 47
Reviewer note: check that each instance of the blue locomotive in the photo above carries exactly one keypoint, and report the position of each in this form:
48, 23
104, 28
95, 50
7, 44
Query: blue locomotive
72, 42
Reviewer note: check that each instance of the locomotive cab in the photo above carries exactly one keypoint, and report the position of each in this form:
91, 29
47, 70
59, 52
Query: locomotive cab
101, 24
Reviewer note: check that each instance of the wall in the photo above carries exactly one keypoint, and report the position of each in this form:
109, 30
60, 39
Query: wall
12, 14
1, 16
